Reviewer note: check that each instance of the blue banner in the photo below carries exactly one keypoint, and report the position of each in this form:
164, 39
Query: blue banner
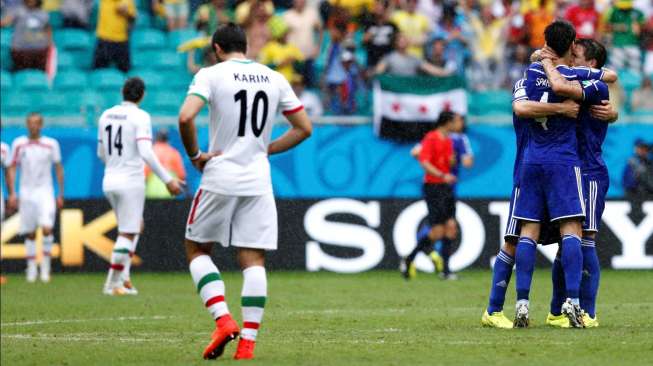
348, 161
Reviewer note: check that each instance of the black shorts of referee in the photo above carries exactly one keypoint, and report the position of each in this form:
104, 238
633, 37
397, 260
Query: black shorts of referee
440, 201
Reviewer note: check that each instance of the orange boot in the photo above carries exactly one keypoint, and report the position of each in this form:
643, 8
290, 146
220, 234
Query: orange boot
245, 349
226, 331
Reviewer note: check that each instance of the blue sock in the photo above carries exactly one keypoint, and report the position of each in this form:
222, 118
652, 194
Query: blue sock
589, 285
572, 264
500, 279
423, 232
524, 265
558, 281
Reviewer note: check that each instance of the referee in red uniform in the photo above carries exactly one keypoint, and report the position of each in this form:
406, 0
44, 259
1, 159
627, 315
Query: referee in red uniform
437, 157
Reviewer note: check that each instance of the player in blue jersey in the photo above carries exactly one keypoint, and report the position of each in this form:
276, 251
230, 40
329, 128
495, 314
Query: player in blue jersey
550, 182
502, 270
591, 132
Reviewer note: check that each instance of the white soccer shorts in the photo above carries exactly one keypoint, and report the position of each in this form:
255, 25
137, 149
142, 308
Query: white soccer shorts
36, 209
240, 221
128, 205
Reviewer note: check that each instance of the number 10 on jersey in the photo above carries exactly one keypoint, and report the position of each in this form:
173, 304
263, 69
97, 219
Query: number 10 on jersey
259, 97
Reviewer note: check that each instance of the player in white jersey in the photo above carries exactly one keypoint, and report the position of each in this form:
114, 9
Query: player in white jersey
124, 142
35, 155
235, 204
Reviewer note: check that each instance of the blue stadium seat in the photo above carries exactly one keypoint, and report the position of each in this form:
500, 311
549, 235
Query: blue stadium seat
153, 80
490, 102
31, 80
107, 79
56, 103
5, 58
65, 61
176, 80
17, 104
5, 36
56, 19
70, 80
143, 20
147, 39
170, 60
629, 80
89, 100
83, 58
164, 103
6, 81
111, 98
73, 39
179, 36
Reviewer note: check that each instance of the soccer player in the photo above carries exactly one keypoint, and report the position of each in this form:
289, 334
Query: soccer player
550, 184
592, 129
502, 270
124, 142
235, 203
436, 157
35, 155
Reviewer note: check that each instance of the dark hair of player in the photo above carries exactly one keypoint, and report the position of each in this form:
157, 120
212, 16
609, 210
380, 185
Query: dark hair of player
34, 114
560, 35
594, 50
230, 37
444, 118
133, 90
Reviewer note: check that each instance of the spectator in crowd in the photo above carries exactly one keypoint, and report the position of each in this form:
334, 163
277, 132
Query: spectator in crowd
413, 25
452, 28
305, 32
32, 35
197, 58
114, 20
585, 18
638, 174
647, 43
536, 20
642, 98
279, 54
311, 102
432, 10
255, 24
624, 26
76, 13
401, 63
438, 57
245, 10
209, 16
517, 64
488, 44
356, 9
170, 159
341, 74
176, 13
379, 36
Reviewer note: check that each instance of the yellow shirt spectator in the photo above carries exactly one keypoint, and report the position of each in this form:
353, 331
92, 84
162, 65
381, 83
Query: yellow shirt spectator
355, 8
281, 56
113, 26
415, 27
243, 10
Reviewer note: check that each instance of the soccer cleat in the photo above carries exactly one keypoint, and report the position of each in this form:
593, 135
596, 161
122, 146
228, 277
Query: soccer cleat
3, 280
437, 260
226, 331
574, 313
496, 320
521, 315
589, 321
245, 350
115, 291
45, 277
31, 273
558, 321
408, 269
131, 290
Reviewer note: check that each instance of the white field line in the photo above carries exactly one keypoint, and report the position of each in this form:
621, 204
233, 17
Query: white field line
62, 321
82, 337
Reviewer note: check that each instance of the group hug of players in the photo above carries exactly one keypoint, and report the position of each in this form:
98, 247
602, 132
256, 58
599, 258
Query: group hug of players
560, 181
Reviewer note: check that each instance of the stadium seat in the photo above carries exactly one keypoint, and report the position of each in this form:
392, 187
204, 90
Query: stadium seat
83, 58
629, 80
170, 60
5, 36
143, 21
17, 104
31, 80
6, 81
55, 103
107, 79
70, 80
73, 39
147, 39
5, 58
164, 103
153, 80
88, 101
65, 61
490, 102
179, 36
175, 80
56, 19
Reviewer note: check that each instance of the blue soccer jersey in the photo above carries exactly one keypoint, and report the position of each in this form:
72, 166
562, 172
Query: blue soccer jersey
552, 139
521, 128
591, 131
461, 147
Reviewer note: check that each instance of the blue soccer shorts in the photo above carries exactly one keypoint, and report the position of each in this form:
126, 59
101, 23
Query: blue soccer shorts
552, 191
595, 186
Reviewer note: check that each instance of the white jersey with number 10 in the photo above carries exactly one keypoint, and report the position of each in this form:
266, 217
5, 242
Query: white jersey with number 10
243, 98
119, 130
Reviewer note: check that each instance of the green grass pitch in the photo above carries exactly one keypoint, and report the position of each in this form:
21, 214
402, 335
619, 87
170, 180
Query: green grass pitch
374, 318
